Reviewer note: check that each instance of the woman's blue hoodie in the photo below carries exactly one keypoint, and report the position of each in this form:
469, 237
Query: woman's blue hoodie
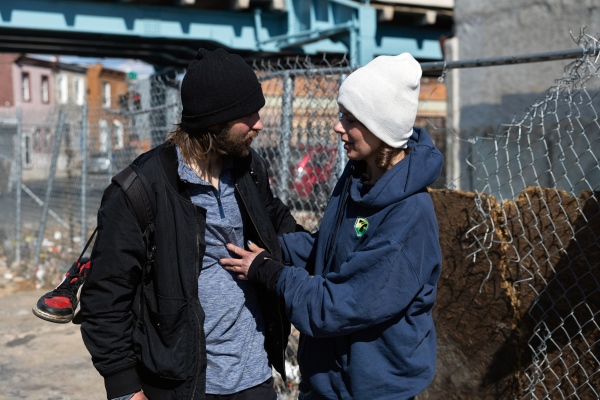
365, 316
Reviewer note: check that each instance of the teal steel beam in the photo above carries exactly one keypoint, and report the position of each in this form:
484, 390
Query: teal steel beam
305, 27
348, 3
300, 38
367, 17
234, 30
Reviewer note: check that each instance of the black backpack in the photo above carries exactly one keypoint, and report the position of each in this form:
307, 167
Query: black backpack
139, 193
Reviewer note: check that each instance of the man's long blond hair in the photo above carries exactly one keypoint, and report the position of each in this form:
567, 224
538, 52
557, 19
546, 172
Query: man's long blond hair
197, 145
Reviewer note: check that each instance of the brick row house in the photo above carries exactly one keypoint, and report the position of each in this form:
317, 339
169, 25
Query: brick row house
41, 89
107, 127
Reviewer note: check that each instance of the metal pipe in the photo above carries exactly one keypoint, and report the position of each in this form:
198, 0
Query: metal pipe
55, 153
342, 159
109, 152
508, 60
305, 72
445, 65
18, 186
287, 115
83, 154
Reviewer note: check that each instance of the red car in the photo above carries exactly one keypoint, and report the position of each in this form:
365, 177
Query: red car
312, 174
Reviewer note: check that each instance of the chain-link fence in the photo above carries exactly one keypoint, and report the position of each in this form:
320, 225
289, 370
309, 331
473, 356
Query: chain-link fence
535, 185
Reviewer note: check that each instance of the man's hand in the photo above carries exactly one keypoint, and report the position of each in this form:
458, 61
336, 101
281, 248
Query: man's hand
139, 396
240, 266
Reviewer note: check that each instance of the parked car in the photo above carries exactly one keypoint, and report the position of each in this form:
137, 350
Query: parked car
98, 163
104, 163
312, 174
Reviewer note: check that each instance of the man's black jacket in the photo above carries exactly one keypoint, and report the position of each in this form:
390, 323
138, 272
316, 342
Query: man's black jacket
149, 335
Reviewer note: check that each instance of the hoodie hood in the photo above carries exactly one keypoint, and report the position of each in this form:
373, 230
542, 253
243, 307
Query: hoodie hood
419, 169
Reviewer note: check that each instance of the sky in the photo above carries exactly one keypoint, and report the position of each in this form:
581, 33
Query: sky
126, 65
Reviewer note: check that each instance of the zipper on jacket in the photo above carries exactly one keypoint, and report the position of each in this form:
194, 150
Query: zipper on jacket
197, 270
341, 210
218, 196
253, 222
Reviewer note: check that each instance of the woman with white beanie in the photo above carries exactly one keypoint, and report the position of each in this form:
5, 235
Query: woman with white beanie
361, 290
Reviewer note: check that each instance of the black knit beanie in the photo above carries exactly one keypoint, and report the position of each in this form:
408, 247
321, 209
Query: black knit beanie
217, 88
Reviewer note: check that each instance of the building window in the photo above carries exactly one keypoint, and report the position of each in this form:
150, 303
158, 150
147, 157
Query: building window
26, 86
79, 91
106, 94
63, 88
45, 90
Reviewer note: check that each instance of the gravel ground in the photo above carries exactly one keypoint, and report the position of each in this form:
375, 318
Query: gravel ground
39, 359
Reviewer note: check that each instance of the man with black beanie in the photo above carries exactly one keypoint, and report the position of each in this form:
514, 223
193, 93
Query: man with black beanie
161, 318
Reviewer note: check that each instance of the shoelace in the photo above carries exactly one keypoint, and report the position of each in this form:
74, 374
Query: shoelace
69, 287
73, 280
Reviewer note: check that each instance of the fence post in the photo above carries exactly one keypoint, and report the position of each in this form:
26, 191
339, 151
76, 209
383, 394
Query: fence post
55, 153
109, 152
454, 153
157, 118
287, 115
83, 152
19, 166
342, 159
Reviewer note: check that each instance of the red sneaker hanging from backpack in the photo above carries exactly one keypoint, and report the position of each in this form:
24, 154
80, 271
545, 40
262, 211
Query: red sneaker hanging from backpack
61, 304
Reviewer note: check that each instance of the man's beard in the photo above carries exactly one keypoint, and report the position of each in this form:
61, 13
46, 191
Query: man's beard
236, 146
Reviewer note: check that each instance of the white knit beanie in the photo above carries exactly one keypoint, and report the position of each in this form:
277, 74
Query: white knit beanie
383, 95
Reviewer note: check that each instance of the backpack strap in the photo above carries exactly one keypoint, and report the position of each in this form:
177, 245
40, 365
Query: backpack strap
138, 191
